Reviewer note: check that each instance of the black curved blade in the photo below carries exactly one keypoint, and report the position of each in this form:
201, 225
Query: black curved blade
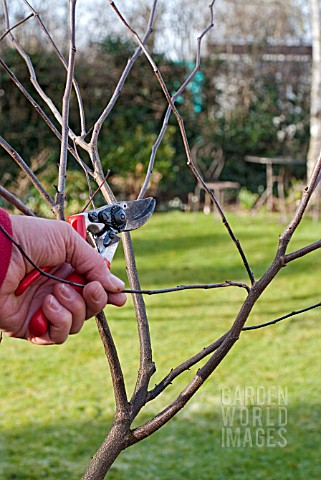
137, 212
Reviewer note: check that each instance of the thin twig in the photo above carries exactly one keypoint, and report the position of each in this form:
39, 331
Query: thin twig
15, 201
22, 164
279, 319
8, 195
98, 189
174, 98
183, 367
206, 286
8, 30
286, 236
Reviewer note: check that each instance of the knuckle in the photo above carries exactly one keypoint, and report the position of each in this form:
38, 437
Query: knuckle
95, 295
11, 322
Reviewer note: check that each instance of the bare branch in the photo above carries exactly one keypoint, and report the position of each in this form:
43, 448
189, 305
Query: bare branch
99, 123
15, 201
206, 286
8, 30
174, 98
286, 236
180, 121
43, 115
63, 61
279, 319
147, 54
173, 408
60, 197
146, 368
175, 372
18, 204
117, 376
22, 164
301, 252
33, 76
146, 364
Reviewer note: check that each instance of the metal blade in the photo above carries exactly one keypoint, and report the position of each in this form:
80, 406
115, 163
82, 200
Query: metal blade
137, 212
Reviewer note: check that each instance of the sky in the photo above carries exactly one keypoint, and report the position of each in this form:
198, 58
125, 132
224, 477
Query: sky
176, 28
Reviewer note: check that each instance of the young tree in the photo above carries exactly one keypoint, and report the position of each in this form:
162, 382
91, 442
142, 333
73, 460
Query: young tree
83, 146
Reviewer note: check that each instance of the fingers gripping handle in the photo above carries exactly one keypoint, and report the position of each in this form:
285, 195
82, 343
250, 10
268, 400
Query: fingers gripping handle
39, 324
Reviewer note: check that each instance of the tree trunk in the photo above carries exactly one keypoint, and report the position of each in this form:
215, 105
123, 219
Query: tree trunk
116, 441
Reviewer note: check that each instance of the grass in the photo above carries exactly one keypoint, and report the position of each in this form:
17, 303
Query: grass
57, 404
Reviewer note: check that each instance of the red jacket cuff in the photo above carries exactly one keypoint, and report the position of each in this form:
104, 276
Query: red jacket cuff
5, 245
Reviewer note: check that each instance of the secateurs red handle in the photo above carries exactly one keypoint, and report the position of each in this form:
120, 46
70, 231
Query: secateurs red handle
39, 324
101, 226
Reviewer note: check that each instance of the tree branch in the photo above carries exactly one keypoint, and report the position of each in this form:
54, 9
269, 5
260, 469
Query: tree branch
286, 236
146, 368
205, 286
279, 319
146, 364
22, 164
180, 121
122, 405
301, 252
131, 61
60, 197
174, 98
63, 61
43, 115
175, 372
15, 201
8, 30
33, 76
173, 408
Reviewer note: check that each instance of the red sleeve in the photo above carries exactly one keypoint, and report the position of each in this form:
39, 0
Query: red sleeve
5, 245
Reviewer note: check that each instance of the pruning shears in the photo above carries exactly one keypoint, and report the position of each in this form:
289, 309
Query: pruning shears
100, 228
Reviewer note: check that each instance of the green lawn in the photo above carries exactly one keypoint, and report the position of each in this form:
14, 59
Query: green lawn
57, 402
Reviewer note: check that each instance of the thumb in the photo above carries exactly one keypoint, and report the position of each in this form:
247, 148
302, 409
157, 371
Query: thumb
87, 261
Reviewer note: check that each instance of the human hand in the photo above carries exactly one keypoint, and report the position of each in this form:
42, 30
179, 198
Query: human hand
54, 243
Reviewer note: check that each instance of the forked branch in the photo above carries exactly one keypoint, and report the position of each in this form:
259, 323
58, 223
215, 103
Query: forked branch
180, 121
